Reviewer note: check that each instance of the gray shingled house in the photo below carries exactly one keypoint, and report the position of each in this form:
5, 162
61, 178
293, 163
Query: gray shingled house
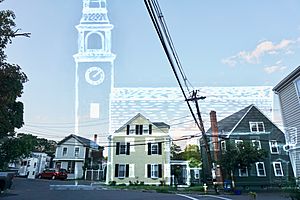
250, 124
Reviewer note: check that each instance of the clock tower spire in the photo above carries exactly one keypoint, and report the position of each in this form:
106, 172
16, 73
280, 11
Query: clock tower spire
94, 72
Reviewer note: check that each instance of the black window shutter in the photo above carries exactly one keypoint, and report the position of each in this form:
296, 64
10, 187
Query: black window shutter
128, 149
159, 148
128, 129
116, 170
118, 148
141, 129
150, 129
149, 148
149, 170
136, 129
159, 170
127, 170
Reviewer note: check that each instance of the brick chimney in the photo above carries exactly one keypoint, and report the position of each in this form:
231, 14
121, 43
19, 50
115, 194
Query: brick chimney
214, 133
215, 140
95, 138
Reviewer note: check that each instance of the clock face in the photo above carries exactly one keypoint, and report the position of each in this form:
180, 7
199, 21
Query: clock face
94, 75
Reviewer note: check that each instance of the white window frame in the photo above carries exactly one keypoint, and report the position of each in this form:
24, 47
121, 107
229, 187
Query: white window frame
243, 174
223, 145
76, 151
256, 125
154, 170
237, 142
131, 130
259, 144
153, 145
275, 145
64, 153
258, 170
119, 170
275, 168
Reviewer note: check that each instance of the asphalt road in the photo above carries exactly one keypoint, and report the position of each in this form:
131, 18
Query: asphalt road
25, 189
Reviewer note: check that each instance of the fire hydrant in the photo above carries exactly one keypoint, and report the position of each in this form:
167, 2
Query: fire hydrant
205, 188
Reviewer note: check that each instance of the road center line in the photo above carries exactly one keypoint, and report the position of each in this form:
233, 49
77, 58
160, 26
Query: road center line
182, 195
214, 196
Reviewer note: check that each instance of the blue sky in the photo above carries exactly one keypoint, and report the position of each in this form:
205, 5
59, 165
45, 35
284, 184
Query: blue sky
220, 43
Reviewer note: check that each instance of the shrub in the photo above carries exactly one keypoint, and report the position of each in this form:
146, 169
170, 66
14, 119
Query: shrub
112, 183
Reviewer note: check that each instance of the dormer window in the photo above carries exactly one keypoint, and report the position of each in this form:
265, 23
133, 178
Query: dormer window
257, 127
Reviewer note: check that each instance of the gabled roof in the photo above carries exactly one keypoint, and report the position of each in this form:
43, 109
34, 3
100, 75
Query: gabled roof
292, 76
84, 141
157, 124
229, 123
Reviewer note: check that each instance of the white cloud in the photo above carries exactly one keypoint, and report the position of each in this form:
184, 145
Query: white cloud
274, 68
264, 47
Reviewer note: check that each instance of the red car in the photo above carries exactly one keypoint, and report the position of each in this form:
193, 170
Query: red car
53, 173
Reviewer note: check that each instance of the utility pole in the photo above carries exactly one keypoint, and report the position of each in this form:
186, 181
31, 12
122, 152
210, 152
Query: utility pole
194, 98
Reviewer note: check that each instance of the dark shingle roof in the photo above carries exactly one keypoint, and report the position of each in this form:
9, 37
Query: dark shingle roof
228, 123
161, 125
84, 141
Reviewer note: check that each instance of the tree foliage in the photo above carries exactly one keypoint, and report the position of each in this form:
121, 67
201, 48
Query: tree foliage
11, 79
240, 156
176, 152
190, 153
14, 148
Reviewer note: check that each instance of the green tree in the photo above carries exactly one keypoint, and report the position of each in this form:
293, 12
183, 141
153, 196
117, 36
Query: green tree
11, 79
243, 155
192, 154
13, 148
176, 152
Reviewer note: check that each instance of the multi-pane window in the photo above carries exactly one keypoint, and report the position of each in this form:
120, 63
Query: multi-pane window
130, 129
122, 148
154, 171
260, 169
274, 147
154, 148
76, 152
243, 171
257, 127
223, 146
256, 143
277, 169
122, 171
65, 151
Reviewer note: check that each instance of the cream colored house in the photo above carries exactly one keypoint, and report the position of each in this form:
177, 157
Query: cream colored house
138, 152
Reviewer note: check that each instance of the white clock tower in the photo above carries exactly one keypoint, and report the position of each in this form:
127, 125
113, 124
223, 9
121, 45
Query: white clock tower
94, 74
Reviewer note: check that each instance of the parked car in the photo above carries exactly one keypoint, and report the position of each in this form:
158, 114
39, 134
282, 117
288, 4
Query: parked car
53, 173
